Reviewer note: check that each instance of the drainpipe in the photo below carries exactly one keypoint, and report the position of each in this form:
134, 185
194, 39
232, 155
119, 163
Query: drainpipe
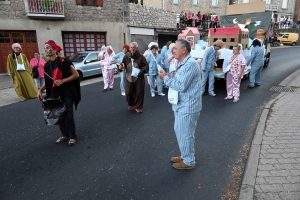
123, 26
163, 6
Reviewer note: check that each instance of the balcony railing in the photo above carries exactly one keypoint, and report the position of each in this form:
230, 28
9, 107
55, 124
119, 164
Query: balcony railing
45, 9
271, 7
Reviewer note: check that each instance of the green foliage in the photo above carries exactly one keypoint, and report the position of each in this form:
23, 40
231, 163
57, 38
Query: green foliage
46, 4
46, 58
142, 2
133, 1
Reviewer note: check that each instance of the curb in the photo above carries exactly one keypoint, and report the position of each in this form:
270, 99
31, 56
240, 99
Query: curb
247, 187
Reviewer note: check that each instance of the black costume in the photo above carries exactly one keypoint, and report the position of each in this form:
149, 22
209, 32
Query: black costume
69, 92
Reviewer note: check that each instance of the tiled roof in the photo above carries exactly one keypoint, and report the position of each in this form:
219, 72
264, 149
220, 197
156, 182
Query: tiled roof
194, 30
184, 33
224, 31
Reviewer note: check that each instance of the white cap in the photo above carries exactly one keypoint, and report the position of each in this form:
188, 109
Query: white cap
171, 46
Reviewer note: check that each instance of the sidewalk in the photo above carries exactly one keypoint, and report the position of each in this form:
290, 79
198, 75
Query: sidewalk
5, 81
273, 167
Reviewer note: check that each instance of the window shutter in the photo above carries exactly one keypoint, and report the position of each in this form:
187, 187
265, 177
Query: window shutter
79, 2
100, 3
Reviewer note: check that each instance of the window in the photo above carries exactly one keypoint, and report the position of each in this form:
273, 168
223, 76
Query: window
285, 36
231, 47
196, 2
232, 39
245, 1
284, 4
30, 37
17, 37
79, 41
268, 1
92, 57
4, 37
175, 1
90, 2
214, 2
215, 39
223, 39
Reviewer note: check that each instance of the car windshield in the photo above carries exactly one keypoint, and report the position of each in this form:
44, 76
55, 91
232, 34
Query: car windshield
281, 34
78, 57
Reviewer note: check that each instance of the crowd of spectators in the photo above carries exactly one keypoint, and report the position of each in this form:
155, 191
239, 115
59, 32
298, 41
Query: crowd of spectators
284, 23
203, 21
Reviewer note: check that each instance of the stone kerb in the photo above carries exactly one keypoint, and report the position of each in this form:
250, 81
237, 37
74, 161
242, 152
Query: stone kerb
151, 17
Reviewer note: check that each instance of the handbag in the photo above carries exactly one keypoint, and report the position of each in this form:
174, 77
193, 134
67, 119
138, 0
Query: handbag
135, 71
173, 96
35, 72
229, 66
159, 68
20, 67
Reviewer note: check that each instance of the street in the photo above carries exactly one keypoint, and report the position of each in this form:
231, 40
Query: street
121, 154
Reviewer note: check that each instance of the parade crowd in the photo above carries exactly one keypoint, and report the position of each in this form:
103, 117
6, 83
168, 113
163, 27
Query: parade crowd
199, 20
173, 68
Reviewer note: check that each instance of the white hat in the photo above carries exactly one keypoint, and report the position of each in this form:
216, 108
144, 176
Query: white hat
171, 46
103, 48
150, 44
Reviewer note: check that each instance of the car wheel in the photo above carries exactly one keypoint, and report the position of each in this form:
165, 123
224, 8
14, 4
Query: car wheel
116, 71
267, 60
293, 44
246, 76
80, 75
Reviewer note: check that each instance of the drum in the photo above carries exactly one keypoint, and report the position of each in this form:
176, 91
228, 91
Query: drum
53, 111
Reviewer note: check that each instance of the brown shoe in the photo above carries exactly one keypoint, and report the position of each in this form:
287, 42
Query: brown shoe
181, 165
176, 159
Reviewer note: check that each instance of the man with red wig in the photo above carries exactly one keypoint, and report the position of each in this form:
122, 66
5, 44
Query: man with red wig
62, 81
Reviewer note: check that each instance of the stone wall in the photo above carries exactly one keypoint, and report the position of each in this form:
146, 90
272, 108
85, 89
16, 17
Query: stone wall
135, 14
14, 9
204, 7
151, 17
153, 3
110, 12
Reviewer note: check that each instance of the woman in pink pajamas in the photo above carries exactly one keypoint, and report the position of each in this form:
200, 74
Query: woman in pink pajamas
235, 74
107, 68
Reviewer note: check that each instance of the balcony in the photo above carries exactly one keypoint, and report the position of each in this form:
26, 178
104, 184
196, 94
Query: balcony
271, 7
45, 9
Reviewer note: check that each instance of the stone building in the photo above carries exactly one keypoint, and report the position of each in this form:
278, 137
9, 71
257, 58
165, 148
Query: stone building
216, 7
281, 8
78, 25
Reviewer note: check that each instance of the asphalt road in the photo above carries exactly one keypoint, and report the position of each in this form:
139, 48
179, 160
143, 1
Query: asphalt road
121, 154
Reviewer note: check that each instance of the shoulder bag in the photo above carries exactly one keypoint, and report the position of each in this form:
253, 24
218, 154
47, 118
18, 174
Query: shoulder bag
35, 71
229, 65
159, 68
20, 67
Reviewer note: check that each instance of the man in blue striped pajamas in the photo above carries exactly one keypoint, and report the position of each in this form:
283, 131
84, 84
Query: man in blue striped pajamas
187, 82
208, 67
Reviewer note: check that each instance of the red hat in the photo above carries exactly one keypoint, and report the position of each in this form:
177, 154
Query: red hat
53, 45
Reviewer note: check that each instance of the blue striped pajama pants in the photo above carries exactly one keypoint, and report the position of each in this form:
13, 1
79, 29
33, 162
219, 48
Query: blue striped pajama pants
184, 127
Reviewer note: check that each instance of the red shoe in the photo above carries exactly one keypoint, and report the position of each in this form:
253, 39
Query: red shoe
130, 107
138, 110
111, 88
104, 90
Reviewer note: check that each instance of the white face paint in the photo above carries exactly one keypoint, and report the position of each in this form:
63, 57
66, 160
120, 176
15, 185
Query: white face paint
49, 51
